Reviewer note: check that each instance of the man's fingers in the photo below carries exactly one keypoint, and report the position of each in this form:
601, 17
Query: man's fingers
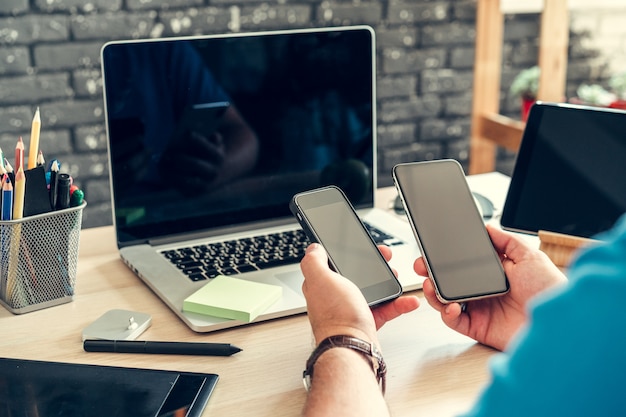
420, 267
395, 308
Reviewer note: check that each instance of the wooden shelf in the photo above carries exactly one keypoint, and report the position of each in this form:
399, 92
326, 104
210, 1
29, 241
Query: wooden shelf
502, 131
562, 248
489, 128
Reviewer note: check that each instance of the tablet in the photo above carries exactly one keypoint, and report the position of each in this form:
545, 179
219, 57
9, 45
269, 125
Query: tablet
570, 172
46, 389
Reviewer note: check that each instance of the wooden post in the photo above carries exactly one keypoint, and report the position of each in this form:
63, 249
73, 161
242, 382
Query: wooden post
489, 129
486, 89
553, 41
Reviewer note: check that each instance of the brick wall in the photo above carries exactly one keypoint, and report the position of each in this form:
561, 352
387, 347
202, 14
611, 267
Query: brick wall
49, 57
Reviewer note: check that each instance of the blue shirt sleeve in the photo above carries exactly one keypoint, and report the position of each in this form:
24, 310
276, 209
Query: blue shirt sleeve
571, 359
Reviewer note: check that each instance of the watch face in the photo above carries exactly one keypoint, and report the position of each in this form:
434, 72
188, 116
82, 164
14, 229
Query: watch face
306, 379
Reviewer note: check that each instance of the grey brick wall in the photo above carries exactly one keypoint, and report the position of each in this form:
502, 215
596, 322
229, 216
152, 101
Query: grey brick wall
49, 57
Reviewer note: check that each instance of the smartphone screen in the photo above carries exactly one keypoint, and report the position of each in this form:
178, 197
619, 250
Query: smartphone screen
327, 217
456, 247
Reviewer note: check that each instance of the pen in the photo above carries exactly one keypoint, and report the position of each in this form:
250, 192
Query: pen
54, 182
64, 183
170, 348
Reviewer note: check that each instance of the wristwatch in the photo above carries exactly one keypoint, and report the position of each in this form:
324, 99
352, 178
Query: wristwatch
368, 350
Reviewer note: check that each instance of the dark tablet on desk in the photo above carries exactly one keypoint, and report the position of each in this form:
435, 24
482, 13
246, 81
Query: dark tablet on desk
46, 389
570, 172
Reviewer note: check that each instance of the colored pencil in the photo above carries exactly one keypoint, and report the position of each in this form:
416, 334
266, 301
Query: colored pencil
18, 194
7, 198
10, 171
40, 160
19, 154
33, 147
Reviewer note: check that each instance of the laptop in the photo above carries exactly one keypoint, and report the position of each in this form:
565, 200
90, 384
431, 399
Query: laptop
267, 115
569, 172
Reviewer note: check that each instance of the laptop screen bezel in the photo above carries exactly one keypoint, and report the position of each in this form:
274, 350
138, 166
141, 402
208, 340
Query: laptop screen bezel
279, 215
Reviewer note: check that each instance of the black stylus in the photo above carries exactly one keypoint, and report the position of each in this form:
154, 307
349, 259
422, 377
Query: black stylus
171, 348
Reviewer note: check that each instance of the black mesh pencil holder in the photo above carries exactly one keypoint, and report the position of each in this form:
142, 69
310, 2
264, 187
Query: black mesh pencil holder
39, 257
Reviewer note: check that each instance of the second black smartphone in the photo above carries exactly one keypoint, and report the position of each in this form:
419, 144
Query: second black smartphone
450, 231
327, 217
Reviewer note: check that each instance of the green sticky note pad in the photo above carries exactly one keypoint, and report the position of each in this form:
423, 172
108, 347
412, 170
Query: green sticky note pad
233, 298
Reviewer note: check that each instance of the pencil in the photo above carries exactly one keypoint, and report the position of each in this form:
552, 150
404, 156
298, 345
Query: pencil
10, 171
19, 154
13, 289
7, 198
33, 147
18, 194
40, 160
1, 158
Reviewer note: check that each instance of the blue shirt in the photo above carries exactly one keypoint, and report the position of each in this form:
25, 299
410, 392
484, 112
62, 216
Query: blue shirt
571, 359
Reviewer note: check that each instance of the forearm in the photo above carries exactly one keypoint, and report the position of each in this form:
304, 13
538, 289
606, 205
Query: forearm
344, 385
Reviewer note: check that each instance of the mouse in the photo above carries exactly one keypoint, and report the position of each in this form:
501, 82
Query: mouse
485, 206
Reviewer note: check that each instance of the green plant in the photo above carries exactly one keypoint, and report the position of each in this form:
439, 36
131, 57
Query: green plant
595, 94
526, 83
617, 82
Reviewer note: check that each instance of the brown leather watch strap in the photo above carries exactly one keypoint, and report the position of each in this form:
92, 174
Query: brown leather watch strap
368, 350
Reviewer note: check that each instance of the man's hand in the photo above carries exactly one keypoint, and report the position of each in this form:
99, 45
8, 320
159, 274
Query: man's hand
337, 307
494, 321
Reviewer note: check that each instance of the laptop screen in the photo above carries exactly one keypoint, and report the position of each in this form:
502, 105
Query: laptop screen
212, 132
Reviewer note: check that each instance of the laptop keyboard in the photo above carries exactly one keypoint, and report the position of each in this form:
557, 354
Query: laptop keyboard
206, 261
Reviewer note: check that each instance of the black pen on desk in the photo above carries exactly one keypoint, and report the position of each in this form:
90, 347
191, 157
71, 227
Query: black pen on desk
168, 348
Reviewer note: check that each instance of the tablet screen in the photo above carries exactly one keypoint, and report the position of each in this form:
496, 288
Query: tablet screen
46, 389
570, 172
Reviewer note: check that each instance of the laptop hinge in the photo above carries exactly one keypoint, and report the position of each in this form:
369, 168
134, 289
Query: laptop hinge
203, 234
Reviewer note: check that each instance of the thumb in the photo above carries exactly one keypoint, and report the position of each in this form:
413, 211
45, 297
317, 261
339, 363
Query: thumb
315, 261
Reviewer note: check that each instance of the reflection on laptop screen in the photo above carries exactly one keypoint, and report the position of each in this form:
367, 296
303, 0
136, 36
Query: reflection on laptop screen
216, 131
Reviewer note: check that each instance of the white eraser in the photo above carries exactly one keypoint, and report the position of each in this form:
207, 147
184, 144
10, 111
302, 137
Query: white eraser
118, 325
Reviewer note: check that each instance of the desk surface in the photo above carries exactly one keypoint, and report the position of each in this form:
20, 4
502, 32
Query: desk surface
432, 370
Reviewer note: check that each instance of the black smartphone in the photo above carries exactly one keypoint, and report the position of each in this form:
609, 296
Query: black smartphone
327, 217
455, 245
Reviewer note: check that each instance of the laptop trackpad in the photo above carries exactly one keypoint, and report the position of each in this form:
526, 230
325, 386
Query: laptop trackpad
292, 280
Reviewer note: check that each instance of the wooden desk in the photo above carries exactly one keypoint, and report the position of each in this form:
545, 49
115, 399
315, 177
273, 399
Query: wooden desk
432, 370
